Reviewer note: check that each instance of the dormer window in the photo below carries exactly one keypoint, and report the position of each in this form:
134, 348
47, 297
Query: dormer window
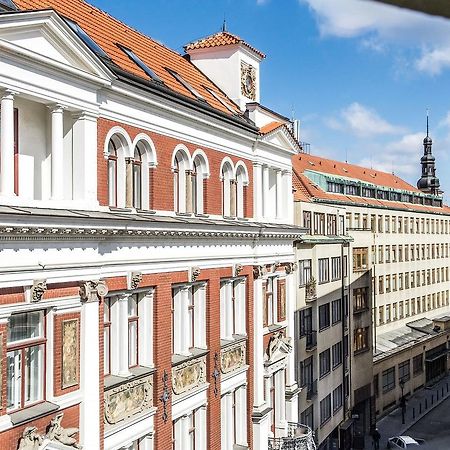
140, 63
7, 5
185, 84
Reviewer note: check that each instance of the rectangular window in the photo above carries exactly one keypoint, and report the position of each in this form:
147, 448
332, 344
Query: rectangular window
319, 223
307, 220
361, 339
337, 398
336, 268
269, 289
360, 299
417, 364
305, 322
336, 311
324, 316
189, 431
360, 257
324, 270
25, 360
232, 308
337, 354
403, 371
331, 225
189, 316
133, 320
107, 336
325, 409
281, 299
388, 379
307, 417
324, 363
304, 271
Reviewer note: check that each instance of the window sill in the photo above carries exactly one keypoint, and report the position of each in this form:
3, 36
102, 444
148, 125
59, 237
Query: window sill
195, 353
137, 372
361, 351
201, 215
119, 209
324, 328
324, 375
32, 413
360, 311
236, 338
183, 214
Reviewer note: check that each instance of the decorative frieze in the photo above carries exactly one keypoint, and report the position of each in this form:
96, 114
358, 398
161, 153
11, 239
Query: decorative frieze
37, 290
128, 399
233, 357
70, 353
189, 375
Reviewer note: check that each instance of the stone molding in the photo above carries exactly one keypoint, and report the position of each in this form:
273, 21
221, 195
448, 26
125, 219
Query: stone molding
233, 357
189, 375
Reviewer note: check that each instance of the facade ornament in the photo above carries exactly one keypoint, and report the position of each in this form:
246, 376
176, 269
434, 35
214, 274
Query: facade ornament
238, 269
63, 435
290, 268
165, 396
258, 271
311, 288
91, 290
216, 374
279, 346
194, 274
37, 290
135, 279
30, 440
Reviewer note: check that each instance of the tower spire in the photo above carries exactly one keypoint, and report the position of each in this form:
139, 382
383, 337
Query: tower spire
224, 24
428, 113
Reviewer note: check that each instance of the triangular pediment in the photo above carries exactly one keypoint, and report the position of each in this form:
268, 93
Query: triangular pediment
45, 37
282, 138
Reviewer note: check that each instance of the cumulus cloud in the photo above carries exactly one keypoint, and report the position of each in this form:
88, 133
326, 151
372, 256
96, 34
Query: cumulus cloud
379, 26
362, 121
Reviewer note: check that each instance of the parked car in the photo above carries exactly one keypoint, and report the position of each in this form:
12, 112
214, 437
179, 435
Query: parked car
405, 442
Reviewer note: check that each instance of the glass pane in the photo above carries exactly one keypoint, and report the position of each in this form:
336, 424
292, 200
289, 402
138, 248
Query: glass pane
106, 351
132, 306
13, 377
25, 326
132, 343
106, 306
112, 182
137, 186
34, 374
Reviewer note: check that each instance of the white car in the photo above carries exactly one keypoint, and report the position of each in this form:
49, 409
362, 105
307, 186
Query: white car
404, 442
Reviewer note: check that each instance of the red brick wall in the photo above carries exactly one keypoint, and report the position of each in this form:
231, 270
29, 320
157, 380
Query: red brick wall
57, 354
9, 440
162, 199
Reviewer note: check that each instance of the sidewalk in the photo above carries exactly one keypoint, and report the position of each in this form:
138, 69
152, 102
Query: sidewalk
418, 405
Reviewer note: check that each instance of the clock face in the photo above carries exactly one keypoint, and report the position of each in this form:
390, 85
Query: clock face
248, 81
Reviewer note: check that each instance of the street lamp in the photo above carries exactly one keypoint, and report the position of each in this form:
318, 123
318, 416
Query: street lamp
402, 401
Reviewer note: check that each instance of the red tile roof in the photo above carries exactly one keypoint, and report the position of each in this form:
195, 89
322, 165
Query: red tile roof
307, 190
220, 39
107, 31
272, 126
304, 162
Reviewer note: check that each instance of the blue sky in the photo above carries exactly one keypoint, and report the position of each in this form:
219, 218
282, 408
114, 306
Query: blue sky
359, 75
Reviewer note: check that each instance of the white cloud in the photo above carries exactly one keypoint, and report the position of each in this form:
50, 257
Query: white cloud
380, 25
362, 121
261, 2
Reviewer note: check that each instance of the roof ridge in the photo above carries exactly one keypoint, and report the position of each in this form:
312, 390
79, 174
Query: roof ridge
212, 35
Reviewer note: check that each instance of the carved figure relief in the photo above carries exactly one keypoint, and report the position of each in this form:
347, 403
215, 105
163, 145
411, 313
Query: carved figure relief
128, 399
232, 357
30, 440
188, 375
136, 278
64, 435
248, 80
279, 346
38, 289
195, 273
258, 271
70, 353
238, 269
91, 290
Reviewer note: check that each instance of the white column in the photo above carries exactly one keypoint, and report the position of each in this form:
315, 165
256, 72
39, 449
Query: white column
241, 414
266, 193
85, 157
181, 312
240, 304
261, 433
229, 421
200, 429
57, 112
258, 398
223, 423
257, 190
121, 316
200, 316
289, 198
146, 330
280, 404
184, 431
147, 442
7, 145
291, 382
89, 375
280, 197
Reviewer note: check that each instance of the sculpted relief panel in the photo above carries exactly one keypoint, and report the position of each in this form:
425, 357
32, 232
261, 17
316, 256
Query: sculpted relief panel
189, 375
70, 353
232, 357
128, 399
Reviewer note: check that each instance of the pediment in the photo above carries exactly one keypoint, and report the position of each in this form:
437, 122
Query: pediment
281, 138
45, 37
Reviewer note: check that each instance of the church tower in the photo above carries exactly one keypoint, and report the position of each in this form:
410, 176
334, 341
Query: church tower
428, 182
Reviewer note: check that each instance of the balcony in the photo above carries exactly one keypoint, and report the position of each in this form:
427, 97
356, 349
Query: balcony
311, 390
299, 437
311, 340
311, 290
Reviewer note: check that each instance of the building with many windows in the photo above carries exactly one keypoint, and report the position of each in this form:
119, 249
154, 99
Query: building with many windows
374, 259
147, 284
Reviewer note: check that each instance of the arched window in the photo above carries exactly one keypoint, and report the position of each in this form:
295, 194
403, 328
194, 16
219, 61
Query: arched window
199, 174
112, 173
228, 191
241, 182
182, 188
137, 177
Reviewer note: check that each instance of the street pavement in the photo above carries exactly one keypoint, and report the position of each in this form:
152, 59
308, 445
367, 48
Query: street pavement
427, 416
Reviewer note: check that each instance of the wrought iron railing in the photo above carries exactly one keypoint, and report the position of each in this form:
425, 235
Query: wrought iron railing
299, 437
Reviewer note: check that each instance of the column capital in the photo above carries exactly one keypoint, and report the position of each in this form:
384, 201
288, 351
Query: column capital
286, 172
8, 94
56, 107
90, 291
84, 115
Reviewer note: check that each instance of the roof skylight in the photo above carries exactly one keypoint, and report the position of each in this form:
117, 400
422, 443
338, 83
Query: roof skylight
86, 38
221, 100
140, 63
7, 5
183, 82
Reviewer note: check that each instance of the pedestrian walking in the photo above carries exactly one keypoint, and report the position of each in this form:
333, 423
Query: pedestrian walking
376, 436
